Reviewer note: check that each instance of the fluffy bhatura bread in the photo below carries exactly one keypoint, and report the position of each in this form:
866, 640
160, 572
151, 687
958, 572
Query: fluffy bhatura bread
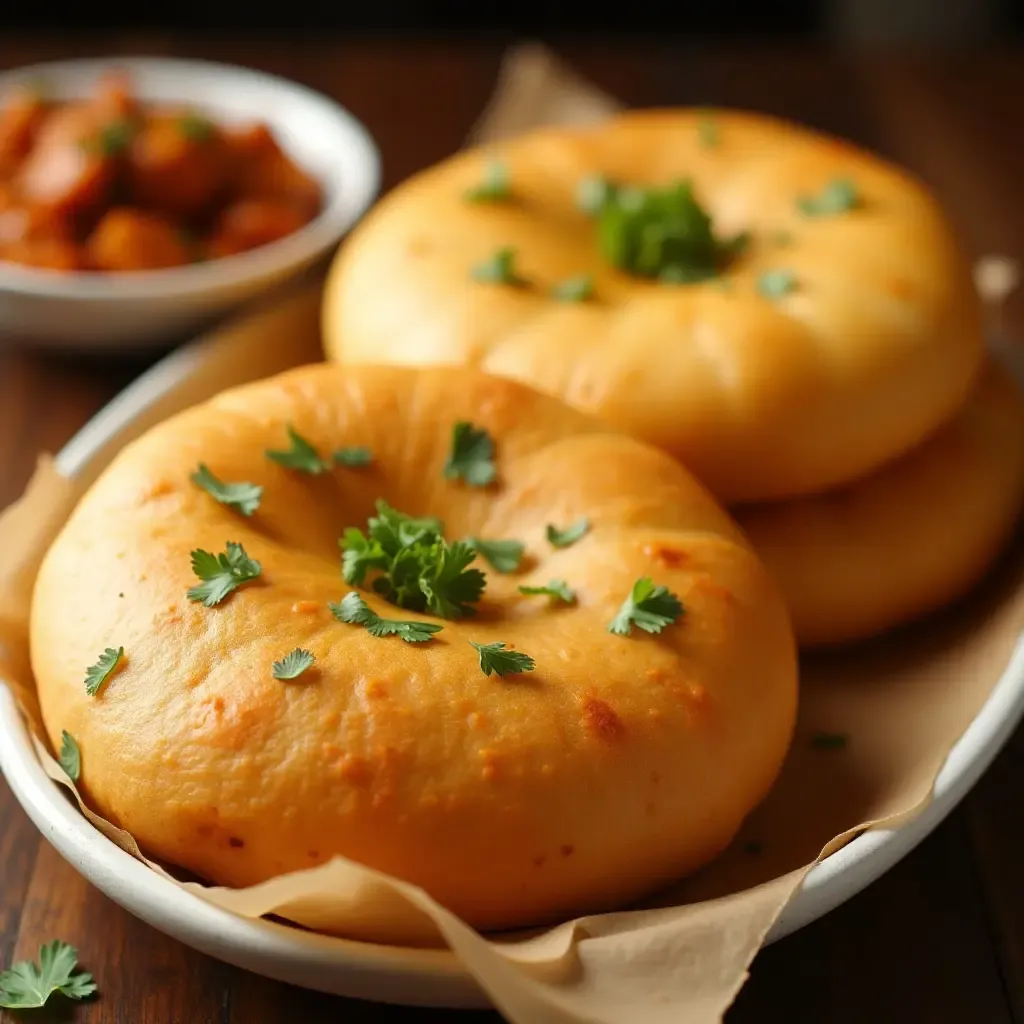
907, 539
620, 763
845, 332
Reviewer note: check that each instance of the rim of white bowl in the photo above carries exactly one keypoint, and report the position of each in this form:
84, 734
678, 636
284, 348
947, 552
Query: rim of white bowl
342, 210
414, 976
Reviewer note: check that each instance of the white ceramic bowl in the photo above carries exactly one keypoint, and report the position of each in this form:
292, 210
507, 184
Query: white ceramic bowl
108, 311
359, 969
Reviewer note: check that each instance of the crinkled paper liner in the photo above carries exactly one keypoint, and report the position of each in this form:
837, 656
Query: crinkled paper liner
902, 703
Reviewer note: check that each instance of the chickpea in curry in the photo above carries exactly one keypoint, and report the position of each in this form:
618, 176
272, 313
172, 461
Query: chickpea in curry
109, 183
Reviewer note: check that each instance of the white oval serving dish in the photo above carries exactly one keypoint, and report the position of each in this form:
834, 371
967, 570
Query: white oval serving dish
363, 970
108, 311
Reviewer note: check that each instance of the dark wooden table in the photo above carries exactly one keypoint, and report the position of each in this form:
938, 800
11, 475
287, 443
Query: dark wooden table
941, 937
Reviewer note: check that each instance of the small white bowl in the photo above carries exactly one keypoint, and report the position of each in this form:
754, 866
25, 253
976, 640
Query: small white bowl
132, 310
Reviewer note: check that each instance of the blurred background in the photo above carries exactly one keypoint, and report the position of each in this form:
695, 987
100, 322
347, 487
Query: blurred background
958, 23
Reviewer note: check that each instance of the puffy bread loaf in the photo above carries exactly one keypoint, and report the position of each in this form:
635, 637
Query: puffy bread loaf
876, 346
910, 537
619, 764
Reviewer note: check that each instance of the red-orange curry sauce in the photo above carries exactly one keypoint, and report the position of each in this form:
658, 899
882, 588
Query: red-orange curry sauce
108, 183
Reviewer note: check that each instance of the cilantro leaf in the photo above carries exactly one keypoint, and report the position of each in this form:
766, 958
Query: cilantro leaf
563, 538
360, 555
707, 132
498, 659
494, 188
451, 589
301, 455
502, 555
838, 196
557, 589
773, 284
353, 456
418, 569
594, 193
292, 665
472, 456
574, 289
353, 609
662, 233
221, 574
96, 675
70, 757
195, 127
112, 138
499, 269
244, 497
28, 986
648, 607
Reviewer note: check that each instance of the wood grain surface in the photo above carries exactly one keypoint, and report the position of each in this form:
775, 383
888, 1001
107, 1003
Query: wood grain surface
941, 937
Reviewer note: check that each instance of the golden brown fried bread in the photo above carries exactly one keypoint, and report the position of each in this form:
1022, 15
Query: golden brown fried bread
619, 763
910, 537
841, 334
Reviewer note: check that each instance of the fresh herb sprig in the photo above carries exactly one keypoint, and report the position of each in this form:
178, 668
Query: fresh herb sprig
413, 565
648, 607
221, 574
354, 610
563, 537
495, 186
503, 556
243, 496
96, 675
498, 659
300, 455
557, 590
293, 664
69, 756
28, 985
471, 457
840, 195
661, 233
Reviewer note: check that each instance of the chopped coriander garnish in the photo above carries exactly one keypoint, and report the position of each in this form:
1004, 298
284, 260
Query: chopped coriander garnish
494, 188
498, 659
113, 138
96, 675
301, 455
829, 740
773, 284
28, 986
499, 269
563, 538
221, 574
353, 456
574, 289
838, 196
70, 757
353, 609
502, 555
417, 568
783, 237
594, 193
662, 233
244, 497
648, 607
707, 132
472, 456
292, 665
557, 589
195, 127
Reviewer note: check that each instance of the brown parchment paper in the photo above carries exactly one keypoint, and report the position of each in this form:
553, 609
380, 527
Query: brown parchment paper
901, 702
